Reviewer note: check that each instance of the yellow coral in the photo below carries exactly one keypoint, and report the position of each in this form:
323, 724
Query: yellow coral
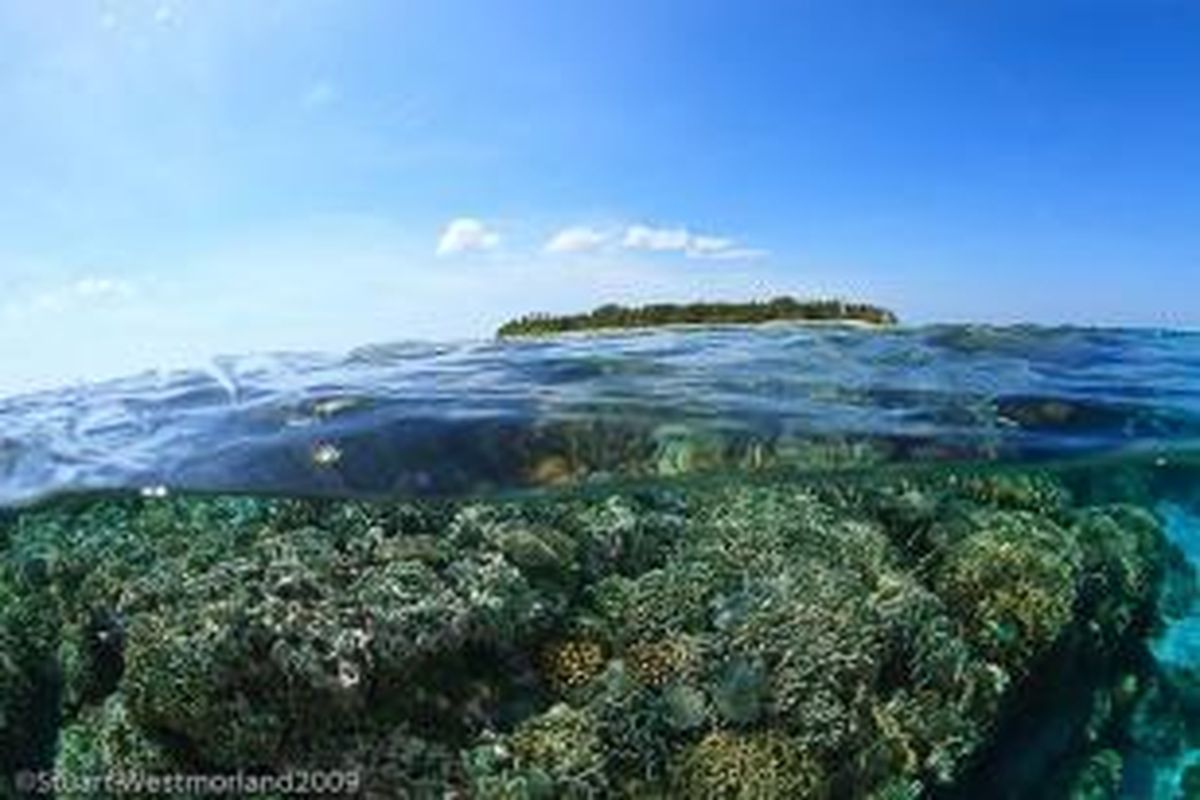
552, 470
572, 663
564, 742
895, 743
657, 663
760, 766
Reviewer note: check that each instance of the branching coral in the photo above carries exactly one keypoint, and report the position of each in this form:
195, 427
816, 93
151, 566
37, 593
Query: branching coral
556, 754
1018, 491
747, 640
273, 649
1013, 583
765, 766
1124, 559
572, 663
104, 741
657, 663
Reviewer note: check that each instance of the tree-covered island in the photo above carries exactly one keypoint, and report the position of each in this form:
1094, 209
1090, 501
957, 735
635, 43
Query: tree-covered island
613, 316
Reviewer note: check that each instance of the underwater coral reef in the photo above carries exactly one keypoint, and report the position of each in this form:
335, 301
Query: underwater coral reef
895, 636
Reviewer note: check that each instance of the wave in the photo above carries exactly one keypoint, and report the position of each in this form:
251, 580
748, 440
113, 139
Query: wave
428, 418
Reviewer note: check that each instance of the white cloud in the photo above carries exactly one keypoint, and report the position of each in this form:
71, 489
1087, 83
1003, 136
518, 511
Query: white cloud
642, 237
681, 240
83, 292
732, 254
387, 287
467, 234
579, 239
707, 245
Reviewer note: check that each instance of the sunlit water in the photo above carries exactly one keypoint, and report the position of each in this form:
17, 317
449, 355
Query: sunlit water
927, 453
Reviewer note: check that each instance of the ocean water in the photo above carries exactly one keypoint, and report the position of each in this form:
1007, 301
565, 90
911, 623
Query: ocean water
782, 561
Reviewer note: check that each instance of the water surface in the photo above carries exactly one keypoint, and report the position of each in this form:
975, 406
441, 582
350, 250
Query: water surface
418, 418
777, 562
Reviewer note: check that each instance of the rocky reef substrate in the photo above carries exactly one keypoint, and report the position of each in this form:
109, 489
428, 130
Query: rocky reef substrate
945, 635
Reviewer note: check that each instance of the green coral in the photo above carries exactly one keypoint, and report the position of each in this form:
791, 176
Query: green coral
641, 725
862, 639
661, 661
1125, 560
105, 741
1018, 491
763, 766
1013, 583
563, 742
1100, 778
556, 754
29, 680
284, 644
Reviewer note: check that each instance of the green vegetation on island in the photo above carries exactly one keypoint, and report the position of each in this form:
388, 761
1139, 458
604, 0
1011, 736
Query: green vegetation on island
613, 316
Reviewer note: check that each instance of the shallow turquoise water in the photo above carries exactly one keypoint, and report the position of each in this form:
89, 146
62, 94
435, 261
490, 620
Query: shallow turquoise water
1027, 498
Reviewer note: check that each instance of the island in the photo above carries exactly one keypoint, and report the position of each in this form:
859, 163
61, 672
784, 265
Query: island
613, 316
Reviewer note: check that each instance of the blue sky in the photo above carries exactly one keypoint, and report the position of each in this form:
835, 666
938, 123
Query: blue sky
189, 177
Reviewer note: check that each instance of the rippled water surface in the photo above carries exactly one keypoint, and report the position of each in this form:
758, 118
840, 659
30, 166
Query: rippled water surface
777, 562
416, 418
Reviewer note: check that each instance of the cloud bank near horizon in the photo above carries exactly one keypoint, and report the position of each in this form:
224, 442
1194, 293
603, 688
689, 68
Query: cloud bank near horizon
469, 234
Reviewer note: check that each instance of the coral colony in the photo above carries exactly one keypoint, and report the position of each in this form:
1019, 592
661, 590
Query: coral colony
882, 638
